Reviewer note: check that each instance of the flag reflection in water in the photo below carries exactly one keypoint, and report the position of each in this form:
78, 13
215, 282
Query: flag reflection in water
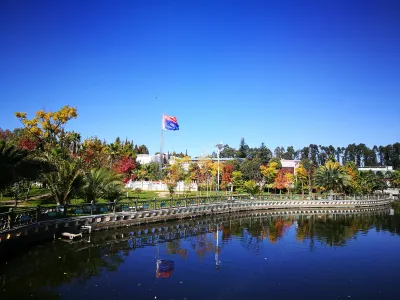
164, 268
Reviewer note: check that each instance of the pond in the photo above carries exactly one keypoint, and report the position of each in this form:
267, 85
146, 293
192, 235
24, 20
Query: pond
242, 256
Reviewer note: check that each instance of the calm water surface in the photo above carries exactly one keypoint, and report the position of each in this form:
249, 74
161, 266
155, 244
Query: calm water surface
330, 256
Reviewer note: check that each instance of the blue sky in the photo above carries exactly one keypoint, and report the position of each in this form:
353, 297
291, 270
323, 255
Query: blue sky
279, 72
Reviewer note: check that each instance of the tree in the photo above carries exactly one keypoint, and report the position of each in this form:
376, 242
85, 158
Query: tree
250, 169
94, 154
142, 149
351, 170
175, 174
251, 187
289, 154
73, 140
264, 154
310, 168
101, 182
332, 177
394, 179
152, 171
65, 181
279, 151
301, 178
227, 152
243, 149
227, 170
113, 151
16, 164
126, 166
237, 181
368, 182
48, 127
282, 180
269, 172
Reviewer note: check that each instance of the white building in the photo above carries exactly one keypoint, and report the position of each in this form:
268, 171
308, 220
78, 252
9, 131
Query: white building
198, 160
147, 158
160, 186
377, 169
290, 165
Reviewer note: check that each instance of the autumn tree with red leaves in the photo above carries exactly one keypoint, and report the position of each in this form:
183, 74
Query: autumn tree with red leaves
227, 170
125, 166
27, 143
283, 179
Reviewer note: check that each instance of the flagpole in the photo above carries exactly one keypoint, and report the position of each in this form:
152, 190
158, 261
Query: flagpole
161, 145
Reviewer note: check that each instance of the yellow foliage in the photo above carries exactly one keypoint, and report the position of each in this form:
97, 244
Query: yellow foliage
48, 124
269, 171
289, 178
301, 173
20, 115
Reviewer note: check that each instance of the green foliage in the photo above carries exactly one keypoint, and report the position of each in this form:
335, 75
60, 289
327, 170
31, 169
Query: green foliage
65, 181
250, 169
251, 187
101, 183
395, 179
332, 177
237, 181
16, 164
367, 182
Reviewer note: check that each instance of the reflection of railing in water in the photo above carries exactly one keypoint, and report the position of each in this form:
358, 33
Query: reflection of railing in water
143, 236
40, 217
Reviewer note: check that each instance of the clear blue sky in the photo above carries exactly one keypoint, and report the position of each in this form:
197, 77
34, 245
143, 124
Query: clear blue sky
279, 72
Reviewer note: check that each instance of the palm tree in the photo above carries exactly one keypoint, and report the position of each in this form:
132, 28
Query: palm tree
74, 142
367, 181
332, 177
65, 180
101, 183
113, 150
16, 164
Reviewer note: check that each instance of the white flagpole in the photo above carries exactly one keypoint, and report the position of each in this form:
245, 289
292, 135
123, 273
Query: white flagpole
161, 146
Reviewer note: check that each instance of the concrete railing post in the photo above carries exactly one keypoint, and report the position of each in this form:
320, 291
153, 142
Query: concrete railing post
10, 219
154, 203
38, 213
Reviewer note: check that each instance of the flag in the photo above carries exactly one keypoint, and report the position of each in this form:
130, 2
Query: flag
170, 123
164, 268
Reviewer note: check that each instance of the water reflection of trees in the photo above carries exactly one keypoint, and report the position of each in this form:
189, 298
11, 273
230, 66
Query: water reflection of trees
53, 264
333, 230
337, 230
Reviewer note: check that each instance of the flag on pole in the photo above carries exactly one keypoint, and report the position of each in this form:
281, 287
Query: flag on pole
170, 123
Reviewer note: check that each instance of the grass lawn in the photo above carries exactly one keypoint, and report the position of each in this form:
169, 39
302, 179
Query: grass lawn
37, 191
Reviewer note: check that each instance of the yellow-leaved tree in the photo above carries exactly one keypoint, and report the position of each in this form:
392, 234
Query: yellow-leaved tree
48, 127
269, 172
302, 178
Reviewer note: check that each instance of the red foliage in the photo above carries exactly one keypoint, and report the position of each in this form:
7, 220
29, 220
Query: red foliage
27, 144
125, 165
281, 181
5, 134
127, 179
227, 173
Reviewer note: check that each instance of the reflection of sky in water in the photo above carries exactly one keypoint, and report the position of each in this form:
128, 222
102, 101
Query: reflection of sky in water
274, 258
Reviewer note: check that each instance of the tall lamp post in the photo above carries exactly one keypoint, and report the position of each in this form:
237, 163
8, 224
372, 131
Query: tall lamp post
220, 147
